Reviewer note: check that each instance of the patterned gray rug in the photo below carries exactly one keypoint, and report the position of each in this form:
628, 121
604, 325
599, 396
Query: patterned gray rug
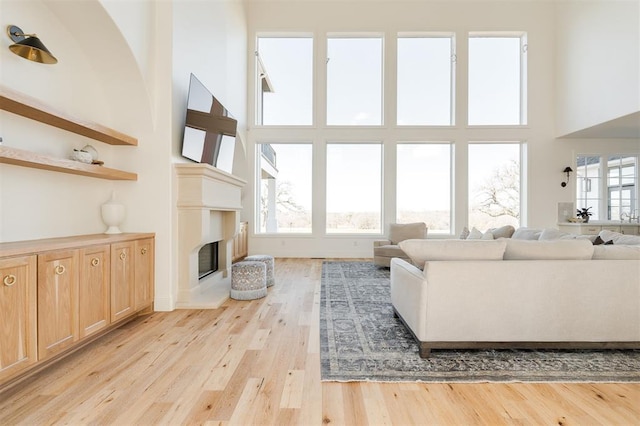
361, 340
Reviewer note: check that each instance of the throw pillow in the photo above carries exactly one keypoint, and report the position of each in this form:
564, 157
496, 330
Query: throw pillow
613, 252
619, 238
503, 232
404, 231
465, 233
526, 234
474, 234
550, 234
598, 241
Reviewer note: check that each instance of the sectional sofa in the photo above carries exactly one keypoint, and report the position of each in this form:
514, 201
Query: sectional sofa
509, 292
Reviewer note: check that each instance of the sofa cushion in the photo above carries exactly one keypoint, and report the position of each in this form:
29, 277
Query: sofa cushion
580, 249
526, 234
389, 251
619, 238
404, 231
420, 251
616, 252
503, 232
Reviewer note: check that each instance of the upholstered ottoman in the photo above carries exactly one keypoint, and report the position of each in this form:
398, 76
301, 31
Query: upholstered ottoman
269, 263
248, 280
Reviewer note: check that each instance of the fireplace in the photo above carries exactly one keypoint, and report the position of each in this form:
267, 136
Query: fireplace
209, 204
207, 259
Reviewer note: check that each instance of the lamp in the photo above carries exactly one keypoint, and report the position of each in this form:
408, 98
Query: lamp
29, 46
568, 171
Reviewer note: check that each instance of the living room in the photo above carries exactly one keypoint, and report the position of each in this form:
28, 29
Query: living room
126, 65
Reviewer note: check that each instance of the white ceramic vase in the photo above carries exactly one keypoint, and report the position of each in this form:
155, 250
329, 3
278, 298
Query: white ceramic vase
113, 214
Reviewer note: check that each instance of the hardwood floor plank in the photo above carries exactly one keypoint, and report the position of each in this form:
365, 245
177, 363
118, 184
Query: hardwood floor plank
258, 362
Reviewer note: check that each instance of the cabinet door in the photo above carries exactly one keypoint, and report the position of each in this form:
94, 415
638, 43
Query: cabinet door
95, 282
144, 270
17, 315
122, 280
57, 301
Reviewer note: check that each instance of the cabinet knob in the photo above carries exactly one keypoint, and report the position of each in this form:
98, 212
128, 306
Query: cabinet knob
9, 280
143, 250
95, 261
59, 270
123, 256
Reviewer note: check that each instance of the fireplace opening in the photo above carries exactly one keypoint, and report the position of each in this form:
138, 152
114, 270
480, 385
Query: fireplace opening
207, 260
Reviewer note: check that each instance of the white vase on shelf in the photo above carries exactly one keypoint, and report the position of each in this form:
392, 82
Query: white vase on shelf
113, 214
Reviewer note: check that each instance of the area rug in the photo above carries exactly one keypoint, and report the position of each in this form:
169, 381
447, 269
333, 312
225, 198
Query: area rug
361, 340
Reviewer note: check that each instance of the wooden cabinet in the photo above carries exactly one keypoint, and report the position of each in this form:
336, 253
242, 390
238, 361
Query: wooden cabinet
122, 280
17, 315
595, 228
94, 289
60, 293
144, 270
58, 276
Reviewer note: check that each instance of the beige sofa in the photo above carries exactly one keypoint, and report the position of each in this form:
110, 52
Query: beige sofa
517, 293
386, 249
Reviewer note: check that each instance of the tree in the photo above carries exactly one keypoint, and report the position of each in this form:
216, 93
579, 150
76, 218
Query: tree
499, 195
285, 202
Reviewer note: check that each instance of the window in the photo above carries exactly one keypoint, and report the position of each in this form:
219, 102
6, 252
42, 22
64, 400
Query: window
497, 80
284, 188
617, 199
284, 81
354, 81
494, 185
354, 188
425, 75
423, 191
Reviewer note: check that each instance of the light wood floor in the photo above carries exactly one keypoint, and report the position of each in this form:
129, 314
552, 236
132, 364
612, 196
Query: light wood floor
258, 362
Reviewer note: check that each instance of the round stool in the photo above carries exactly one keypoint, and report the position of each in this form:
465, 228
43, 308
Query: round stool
248, 280
269, 263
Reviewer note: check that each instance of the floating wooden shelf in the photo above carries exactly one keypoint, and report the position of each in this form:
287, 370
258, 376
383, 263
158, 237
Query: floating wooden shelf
20, 157
28, 107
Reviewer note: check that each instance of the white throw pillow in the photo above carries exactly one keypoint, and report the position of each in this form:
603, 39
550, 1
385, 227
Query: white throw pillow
421, 251
476, 234
503, 232
548, 250
526, 234
551, 234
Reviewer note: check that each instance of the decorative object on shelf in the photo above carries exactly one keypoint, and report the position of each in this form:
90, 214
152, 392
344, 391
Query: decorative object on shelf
29, 46
584, 214
576, 220
91, 150
113, 214
568, 171
81, 156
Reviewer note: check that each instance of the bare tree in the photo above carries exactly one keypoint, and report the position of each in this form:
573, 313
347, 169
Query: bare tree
285, 202
499, 195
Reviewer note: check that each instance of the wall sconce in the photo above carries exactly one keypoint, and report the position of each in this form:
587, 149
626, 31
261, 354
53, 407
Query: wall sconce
29, 46
568, 171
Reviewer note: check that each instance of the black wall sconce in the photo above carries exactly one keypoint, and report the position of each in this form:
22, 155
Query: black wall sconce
568, 171
29, 46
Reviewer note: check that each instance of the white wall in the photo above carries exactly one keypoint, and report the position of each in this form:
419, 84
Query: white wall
598, 62
389, 18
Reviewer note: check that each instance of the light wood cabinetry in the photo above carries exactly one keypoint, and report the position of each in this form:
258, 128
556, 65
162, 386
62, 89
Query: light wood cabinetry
20, 104
144, 273
595, 228
58, 277
94, 291
122, 281
61, 293
241, 242
18, 349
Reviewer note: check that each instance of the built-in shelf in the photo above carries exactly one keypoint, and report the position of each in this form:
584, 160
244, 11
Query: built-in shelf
20, 104
20, 157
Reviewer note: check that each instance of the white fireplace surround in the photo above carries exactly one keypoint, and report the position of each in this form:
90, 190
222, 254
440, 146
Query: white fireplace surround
209, 204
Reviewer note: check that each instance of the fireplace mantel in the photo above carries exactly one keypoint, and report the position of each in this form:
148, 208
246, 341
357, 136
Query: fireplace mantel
209, 204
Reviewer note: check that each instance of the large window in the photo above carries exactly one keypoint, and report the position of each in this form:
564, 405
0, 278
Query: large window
354, 188
423, 191
284, 188
497, 80
424, 80
494, 185
354, 81
614, 197
284, 81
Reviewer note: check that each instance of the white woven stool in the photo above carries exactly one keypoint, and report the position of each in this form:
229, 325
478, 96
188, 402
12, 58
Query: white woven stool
248, 280
270, 264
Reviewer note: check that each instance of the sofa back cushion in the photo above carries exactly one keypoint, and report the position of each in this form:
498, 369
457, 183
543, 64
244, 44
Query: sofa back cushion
405, 231
616, 252
421, 251
581, 249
